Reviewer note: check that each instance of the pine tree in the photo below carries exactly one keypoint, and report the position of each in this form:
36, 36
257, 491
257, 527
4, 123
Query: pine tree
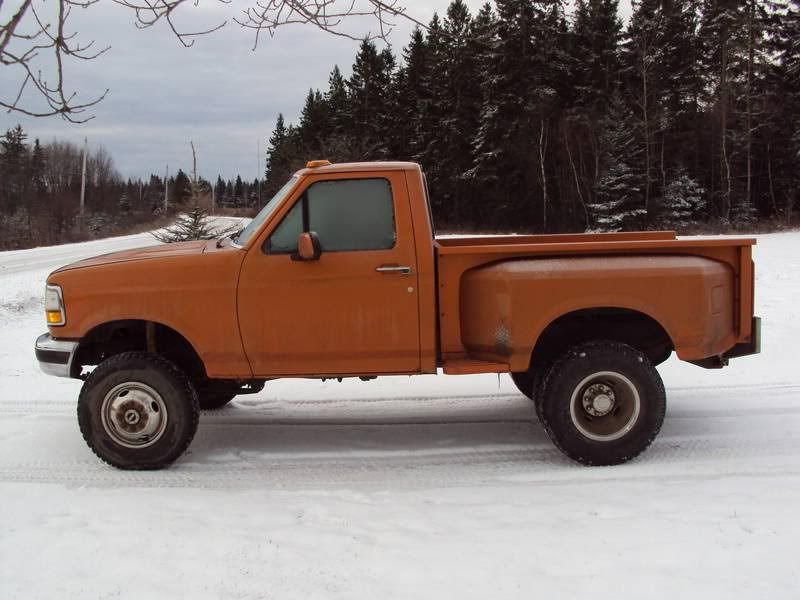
219, 191
154, 194
427, 143
641, 57
338, 105
482, 41
367, 97
238, 192
504, 137
619, 203
279, 158
519, 103
315, 125
459, 92
124, 203
361, 86
782, 132
14, 161
723, 41
596, 37
180, 189
192, 225
38, 165
229, 193
683, 202
410, 91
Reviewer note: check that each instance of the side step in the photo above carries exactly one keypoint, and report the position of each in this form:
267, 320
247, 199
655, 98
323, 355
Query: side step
469, 366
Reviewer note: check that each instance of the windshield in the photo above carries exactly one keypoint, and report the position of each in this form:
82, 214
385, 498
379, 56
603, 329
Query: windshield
264, 214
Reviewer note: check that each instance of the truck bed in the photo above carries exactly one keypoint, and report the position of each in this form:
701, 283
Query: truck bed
458, 255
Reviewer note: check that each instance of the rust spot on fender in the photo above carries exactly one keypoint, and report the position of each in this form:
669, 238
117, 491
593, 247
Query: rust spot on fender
502, 340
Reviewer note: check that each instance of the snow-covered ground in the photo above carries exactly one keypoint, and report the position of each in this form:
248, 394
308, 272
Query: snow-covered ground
428, 487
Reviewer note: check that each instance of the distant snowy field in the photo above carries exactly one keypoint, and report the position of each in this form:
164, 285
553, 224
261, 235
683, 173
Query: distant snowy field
427, 487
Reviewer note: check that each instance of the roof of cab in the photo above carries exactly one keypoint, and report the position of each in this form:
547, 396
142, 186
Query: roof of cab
360, 167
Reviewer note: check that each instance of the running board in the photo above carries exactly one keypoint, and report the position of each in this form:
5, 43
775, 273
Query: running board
468, 366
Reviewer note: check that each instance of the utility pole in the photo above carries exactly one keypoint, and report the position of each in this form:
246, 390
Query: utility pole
83, 184
166, 188
258, 175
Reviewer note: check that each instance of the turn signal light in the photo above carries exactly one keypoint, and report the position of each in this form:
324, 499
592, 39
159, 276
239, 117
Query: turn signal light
54, 305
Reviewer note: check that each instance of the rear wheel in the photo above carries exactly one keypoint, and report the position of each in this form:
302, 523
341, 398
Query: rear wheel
137, 410
602, 403
524, 383
530, 383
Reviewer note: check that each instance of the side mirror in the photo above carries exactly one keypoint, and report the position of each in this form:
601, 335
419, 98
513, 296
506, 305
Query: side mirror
308, 247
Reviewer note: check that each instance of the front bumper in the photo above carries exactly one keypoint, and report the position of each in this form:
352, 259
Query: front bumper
55, 356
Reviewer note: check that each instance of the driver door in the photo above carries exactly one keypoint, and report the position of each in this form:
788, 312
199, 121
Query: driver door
354, 309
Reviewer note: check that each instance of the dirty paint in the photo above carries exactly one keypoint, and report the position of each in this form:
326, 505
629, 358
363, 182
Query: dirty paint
502, 340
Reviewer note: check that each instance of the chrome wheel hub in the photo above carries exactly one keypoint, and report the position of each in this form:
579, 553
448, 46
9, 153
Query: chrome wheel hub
134, 415
599, 399
605, 406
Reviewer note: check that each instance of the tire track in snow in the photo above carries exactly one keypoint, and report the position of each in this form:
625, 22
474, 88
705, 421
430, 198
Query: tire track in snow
539, 466
395, 455
247, 410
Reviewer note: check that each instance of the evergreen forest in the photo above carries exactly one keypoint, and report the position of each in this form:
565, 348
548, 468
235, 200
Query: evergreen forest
526, 117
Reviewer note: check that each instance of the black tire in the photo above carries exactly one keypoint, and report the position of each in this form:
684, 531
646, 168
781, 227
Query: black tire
524, 383
530, 384
137, 410
602, 403
214, 400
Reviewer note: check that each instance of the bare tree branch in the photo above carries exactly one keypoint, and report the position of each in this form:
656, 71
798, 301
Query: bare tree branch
48, 38
33, 36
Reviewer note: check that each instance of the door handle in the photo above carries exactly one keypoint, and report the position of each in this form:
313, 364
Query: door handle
394, 269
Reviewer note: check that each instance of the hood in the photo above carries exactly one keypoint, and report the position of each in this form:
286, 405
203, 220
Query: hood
148, 253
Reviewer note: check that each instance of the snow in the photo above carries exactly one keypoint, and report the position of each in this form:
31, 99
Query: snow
434, 487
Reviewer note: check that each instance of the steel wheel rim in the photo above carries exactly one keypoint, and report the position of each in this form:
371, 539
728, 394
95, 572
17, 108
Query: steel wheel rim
605, 406
134, 415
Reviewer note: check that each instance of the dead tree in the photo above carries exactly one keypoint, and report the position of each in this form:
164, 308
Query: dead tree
37, 43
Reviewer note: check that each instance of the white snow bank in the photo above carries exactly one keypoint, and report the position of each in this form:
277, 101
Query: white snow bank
440, 487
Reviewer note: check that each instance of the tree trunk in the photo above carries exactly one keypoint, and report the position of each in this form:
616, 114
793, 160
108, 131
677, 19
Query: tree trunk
577, 183
726, 165
542, 152
769, 178
646, 123
749, 115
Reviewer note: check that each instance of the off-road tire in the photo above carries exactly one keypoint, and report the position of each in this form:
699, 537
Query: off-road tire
175, 393
524, 383
530, 383
214, 400
568, 384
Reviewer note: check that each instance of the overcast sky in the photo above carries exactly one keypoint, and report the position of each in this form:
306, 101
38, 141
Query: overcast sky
220, 93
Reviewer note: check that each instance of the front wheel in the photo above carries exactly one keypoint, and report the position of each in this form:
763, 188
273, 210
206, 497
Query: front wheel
138, 411
214, 400
602, 403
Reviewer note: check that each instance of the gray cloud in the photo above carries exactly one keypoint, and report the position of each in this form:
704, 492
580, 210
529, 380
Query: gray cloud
218, 93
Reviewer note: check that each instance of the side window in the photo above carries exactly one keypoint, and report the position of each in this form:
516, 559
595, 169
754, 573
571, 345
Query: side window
352, 214
284, 239
346, 214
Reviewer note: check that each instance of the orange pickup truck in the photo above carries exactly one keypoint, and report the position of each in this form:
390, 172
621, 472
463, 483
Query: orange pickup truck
340, 275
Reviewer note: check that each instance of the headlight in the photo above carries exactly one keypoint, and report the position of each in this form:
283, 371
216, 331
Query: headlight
54, 305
